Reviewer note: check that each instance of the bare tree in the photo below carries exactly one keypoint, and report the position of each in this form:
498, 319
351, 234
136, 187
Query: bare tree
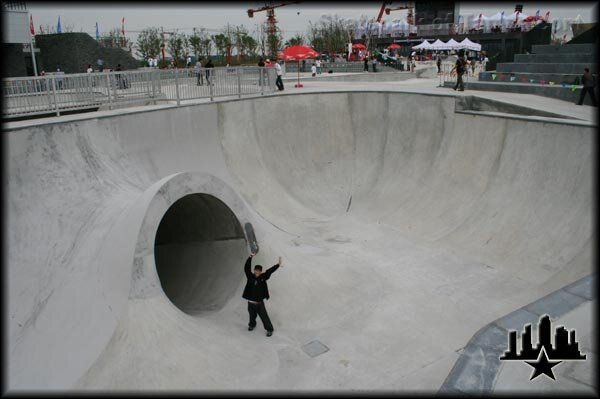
177, 46
148, 43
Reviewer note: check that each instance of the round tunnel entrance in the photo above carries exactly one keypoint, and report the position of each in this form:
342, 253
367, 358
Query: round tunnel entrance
199, 250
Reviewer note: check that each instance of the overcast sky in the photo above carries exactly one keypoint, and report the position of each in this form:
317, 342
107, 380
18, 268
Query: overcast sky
293, 19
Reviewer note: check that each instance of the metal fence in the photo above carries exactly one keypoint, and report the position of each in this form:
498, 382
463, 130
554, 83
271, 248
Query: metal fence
58, 93
352, 66
448, 73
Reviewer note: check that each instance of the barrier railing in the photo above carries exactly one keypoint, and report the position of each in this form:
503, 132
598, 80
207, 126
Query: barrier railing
58, 93
449, 75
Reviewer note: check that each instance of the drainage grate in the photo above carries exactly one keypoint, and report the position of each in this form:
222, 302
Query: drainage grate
314, 348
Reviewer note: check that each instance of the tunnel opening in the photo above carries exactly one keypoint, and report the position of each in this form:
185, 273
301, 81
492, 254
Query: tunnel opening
199, 251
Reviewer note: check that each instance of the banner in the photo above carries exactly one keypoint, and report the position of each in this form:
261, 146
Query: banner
97, 32
58, 27
31, 28
123, 26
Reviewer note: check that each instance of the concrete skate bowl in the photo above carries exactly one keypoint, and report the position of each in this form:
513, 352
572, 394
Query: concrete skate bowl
405, 226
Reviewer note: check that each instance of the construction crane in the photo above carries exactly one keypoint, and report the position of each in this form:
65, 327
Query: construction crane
271, 24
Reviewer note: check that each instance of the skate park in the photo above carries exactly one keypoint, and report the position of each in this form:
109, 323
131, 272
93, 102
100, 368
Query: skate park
409, 218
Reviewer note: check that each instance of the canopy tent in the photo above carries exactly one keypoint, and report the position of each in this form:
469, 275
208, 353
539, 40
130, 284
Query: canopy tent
358, 46
438, 45
452, 45
395, 46
424, 46
469, 45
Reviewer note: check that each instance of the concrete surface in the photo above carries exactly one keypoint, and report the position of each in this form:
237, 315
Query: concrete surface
479, 367
405, 226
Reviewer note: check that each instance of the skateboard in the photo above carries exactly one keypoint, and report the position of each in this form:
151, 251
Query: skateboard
251, 238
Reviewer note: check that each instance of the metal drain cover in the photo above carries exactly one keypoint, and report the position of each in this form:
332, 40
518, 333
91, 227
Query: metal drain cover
314, 348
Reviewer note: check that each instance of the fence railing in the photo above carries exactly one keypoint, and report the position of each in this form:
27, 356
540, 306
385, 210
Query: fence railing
448, 74
351, 66
58, 93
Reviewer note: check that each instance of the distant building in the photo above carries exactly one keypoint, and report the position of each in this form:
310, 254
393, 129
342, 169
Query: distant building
16, 46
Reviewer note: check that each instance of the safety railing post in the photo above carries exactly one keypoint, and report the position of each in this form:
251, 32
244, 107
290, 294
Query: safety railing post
108, 93
55, 95
210, 83
261, 80
153, 75
177, 87
239, 83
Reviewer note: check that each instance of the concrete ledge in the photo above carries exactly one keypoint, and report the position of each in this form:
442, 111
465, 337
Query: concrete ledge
546, 67
558, 58
477, 368
556, 91
563, 48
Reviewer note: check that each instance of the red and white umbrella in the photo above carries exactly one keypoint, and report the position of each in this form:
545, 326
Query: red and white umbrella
394, 46
297, 53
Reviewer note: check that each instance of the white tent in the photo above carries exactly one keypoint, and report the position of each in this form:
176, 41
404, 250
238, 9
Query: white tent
469, 45
423, 46
438, 45
452, 45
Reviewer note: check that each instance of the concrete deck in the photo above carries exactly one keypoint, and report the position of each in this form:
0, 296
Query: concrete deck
405, 226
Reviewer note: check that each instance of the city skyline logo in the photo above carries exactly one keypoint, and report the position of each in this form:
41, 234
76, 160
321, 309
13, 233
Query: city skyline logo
544, 356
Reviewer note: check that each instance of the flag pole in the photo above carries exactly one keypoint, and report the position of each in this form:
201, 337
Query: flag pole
33, 56
31, 33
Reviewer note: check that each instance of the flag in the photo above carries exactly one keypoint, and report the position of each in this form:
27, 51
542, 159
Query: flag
58, 27
123, 26
537, 15
501, 17
31, 28
479, 21
547, 16
97, 32
41, 31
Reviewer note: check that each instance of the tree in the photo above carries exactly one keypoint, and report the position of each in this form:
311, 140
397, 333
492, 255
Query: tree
331, 34
273, 44
297, 40
148, 43
250, 45
195, 43
222, 42
177, 46
244, 43
114, 39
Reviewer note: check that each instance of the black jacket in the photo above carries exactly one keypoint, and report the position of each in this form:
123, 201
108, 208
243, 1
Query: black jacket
256, 288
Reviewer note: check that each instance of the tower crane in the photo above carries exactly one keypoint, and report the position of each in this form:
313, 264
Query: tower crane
271, 20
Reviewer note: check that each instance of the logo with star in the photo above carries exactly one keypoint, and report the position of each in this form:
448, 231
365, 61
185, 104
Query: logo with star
544, 356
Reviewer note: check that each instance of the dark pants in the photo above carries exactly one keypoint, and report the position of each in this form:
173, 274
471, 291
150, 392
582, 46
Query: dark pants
459, 82
200, 78
259, 309
366, 67
279, 82
592, 95
207, 77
